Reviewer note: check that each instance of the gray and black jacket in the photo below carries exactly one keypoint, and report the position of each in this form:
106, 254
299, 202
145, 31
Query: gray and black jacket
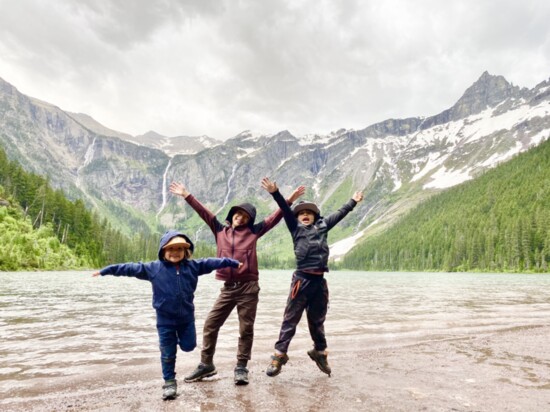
310, 242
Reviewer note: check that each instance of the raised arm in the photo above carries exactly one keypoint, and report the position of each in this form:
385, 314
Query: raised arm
271, 187
332, 219
209, 218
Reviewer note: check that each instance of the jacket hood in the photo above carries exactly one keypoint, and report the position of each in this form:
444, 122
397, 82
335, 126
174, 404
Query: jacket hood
247, 207
169, 235
303, 205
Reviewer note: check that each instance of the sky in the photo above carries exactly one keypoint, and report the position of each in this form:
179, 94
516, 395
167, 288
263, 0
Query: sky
220, 67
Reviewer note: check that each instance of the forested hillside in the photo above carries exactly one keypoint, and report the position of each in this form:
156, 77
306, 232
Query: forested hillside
497, 222
26, 248
36, 219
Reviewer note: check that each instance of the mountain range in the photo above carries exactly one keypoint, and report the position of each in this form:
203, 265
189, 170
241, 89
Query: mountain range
397, 163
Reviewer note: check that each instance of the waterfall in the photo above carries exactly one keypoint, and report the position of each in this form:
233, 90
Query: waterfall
226, 200
164, 189
88, 157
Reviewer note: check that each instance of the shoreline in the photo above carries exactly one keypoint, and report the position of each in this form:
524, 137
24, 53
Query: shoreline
506, 370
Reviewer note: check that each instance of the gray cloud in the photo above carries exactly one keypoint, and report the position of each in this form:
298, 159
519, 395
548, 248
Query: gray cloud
220, 67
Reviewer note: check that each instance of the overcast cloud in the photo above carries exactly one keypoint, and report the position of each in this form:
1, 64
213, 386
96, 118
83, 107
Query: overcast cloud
194, 67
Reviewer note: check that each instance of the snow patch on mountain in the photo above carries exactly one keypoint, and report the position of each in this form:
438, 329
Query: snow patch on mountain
444, 178
340, 248
434, 160
246, 151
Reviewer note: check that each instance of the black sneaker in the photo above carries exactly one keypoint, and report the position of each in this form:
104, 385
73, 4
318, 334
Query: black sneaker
321, 360
169, 390
277, 362
241, 375
202, 371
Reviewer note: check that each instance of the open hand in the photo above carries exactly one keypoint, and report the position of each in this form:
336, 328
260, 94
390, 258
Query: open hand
299, 191
178, 189
268, 185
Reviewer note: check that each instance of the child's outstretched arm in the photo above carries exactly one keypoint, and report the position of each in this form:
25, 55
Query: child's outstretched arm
274, 218
341, 213
209, 218
272, 188
136, 270
207, 265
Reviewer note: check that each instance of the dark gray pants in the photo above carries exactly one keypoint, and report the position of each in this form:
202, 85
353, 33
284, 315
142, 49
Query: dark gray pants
245, 297
309, 293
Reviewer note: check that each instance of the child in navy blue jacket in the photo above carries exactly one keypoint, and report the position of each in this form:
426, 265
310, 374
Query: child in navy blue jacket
174, 280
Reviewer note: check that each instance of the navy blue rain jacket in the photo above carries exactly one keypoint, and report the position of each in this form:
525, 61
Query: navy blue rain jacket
173, 285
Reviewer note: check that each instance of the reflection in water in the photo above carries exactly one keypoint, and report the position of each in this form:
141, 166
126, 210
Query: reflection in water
53, 324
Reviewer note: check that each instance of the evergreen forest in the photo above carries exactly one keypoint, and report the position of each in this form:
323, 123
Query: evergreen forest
41, 229
499, 222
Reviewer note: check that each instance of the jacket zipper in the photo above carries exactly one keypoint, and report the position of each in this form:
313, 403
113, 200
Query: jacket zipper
180, 288
232, 251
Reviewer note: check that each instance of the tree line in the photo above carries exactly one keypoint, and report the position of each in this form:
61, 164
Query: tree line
497, 222
42, 211
40, 229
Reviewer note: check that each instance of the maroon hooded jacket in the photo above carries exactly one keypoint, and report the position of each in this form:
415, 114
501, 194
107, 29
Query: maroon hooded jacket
237, 243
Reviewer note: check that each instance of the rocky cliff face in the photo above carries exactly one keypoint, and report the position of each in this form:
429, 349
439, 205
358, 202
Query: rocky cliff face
397, 163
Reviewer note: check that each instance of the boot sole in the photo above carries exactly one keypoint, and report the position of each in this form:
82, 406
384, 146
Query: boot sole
200, 378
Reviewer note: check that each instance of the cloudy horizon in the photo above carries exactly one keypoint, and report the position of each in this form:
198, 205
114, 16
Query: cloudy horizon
218, 68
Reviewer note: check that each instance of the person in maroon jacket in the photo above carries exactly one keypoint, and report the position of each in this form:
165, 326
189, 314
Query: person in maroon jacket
236, 239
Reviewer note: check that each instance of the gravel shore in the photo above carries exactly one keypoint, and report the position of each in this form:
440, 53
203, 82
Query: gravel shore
508, 370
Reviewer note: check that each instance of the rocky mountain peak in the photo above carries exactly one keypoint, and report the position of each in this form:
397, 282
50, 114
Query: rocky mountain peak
487, 91
397, 162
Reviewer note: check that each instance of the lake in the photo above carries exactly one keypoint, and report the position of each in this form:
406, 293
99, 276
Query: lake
59, 324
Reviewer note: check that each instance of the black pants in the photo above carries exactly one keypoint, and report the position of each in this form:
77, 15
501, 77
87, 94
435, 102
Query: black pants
309, 292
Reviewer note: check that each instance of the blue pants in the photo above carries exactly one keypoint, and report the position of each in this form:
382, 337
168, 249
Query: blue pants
309, 293
170, 337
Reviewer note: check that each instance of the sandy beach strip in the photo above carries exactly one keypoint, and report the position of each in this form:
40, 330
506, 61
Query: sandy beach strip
507, 370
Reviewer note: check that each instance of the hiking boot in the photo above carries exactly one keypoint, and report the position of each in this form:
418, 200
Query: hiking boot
169, 390
241, 375
277, 362
320, 359
202, 371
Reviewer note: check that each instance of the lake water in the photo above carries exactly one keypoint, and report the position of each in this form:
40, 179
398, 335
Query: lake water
56, 324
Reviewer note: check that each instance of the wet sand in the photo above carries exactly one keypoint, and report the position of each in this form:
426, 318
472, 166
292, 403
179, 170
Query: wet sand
502, 371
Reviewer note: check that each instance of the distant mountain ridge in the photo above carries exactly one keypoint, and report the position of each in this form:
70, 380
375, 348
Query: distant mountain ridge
170, 145
397, 162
